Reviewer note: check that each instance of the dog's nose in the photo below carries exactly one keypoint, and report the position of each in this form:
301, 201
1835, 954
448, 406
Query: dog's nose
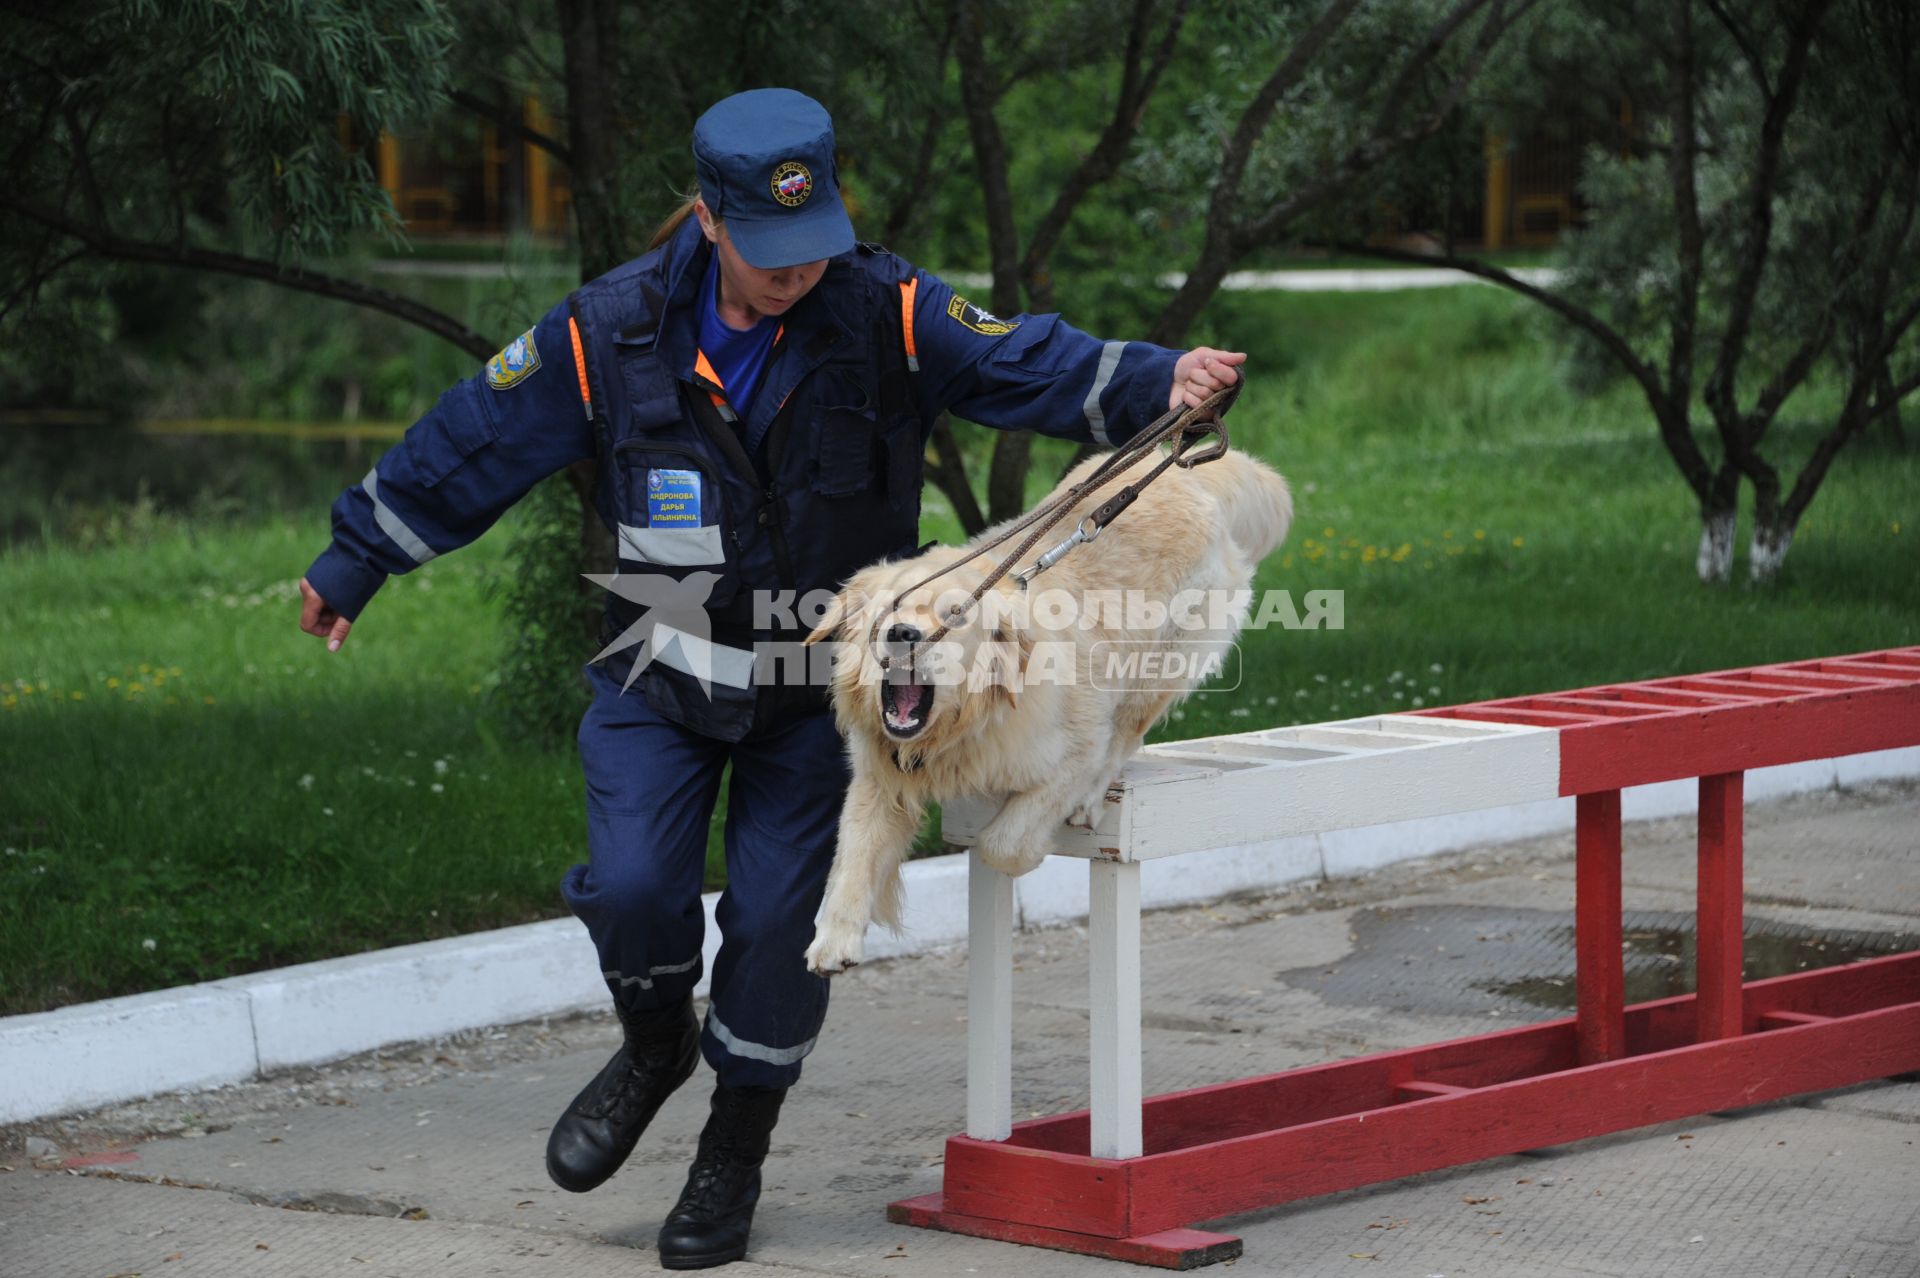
903, 632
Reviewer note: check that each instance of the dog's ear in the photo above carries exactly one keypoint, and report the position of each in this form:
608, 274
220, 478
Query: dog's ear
1001, 663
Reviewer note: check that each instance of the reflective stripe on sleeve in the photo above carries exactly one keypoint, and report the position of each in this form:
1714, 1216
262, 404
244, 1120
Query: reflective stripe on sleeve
392, 525
1096, 418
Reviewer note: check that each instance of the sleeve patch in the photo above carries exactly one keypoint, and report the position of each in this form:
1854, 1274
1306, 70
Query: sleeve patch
515, 363
970, 316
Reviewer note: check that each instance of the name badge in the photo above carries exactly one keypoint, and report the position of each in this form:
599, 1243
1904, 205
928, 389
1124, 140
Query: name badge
673, 498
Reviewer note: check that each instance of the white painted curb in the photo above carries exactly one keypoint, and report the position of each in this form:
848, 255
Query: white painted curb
200, 1036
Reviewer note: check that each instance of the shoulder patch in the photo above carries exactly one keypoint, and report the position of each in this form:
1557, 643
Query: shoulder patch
513, 364
970, 316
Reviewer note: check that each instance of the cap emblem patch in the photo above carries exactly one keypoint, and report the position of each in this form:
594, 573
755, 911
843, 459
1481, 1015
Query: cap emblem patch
792, 184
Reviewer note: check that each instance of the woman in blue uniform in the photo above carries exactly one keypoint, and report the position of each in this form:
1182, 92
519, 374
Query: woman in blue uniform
758, 390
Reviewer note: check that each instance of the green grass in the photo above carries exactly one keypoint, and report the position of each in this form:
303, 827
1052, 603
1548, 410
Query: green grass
257, 802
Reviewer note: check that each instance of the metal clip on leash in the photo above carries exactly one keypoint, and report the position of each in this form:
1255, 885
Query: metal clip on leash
1083, 533
1191, 432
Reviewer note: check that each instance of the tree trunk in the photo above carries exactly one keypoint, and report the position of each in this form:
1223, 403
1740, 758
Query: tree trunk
1772, 537
589, 32
951, 477
1719, 515
1887, 399
1714, 562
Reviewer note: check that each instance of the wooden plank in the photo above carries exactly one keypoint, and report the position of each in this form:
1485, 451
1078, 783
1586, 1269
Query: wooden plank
1209, 1181
1600, 1019
1627, 752
1737, 689
1593, 707
1718, 951
1504, 713
1170, 1249
1430, 723
1350, 738
1675, 697
1202, 1115
1037, 1187
1257, 804
1113, 958
1806, 679
989, 1001
1870, 669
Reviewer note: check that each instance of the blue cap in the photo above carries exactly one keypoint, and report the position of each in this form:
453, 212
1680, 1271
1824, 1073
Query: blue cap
765, 159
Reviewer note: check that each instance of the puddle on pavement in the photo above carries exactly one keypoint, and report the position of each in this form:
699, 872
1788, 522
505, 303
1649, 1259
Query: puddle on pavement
1488, 961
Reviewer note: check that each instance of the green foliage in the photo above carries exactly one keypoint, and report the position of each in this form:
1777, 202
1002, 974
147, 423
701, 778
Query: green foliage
538, 692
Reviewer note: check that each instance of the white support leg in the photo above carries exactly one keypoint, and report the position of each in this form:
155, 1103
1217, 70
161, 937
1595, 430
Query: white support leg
989, 1002
1113, 934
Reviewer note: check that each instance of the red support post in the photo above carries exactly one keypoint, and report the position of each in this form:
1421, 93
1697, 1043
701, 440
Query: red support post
1600, 1022
1718, 950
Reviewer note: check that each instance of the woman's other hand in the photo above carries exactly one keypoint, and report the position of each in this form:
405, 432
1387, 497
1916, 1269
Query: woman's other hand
1202, 371
317, 617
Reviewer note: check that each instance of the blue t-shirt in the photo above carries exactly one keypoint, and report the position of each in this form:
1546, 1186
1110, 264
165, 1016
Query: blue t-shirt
739, 356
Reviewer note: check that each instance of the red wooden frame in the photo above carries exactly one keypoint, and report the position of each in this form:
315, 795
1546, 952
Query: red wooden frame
1258, 1142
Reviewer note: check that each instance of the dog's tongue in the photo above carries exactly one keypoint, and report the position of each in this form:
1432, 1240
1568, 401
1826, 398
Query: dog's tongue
906, 698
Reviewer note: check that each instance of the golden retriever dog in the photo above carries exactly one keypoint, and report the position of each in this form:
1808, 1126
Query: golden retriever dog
1022, 697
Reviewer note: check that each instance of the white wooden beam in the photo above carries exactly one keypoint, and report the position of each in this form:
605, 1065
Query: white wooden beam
1113, 935
989, 1002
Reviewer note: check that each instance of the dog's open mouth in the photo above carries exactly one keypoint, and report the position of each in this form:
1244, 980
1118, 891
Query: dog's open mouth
904, 706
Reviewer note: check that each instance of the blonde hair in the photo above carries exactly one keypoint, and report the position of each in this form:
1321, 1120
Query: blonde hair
677, 219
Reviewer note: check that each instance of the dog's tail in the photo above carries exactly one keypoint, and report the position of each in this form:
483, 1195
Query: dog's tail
1258, 505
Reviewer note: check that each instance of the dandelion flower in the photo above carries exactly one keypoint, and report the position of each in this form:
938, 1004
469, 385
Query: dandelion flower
306, 781
437, 788
149, 945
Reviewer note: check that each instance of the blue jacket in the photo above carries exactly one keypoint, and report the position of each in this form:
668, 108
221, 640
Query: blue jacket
820, 477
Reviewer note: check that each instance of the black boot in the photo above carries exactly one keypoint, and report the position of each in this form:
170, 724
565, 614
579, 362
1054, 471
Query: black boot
605, 1120
709, 1225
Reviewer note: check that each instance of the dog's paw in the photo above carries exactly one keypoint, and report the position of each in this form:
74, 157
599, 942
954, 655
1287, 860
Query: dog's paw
835, 950
1008, 860
1083, 816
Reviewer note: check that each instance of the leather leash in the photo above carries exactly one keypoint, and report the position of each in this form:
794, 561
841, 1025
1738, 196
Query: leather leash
1185, 426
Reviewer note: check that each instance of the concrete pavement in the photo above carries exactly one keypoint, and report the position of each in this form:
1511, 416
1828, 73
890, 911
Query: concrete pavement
427, 1160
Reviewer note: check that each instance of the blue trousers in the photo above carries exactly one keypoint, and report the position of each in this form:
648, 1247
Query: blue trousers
651, 786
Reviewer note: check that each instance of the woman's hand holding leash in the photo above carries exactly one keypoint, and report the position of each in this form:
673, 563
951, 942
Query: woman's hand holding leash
317, 617
1202, 371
